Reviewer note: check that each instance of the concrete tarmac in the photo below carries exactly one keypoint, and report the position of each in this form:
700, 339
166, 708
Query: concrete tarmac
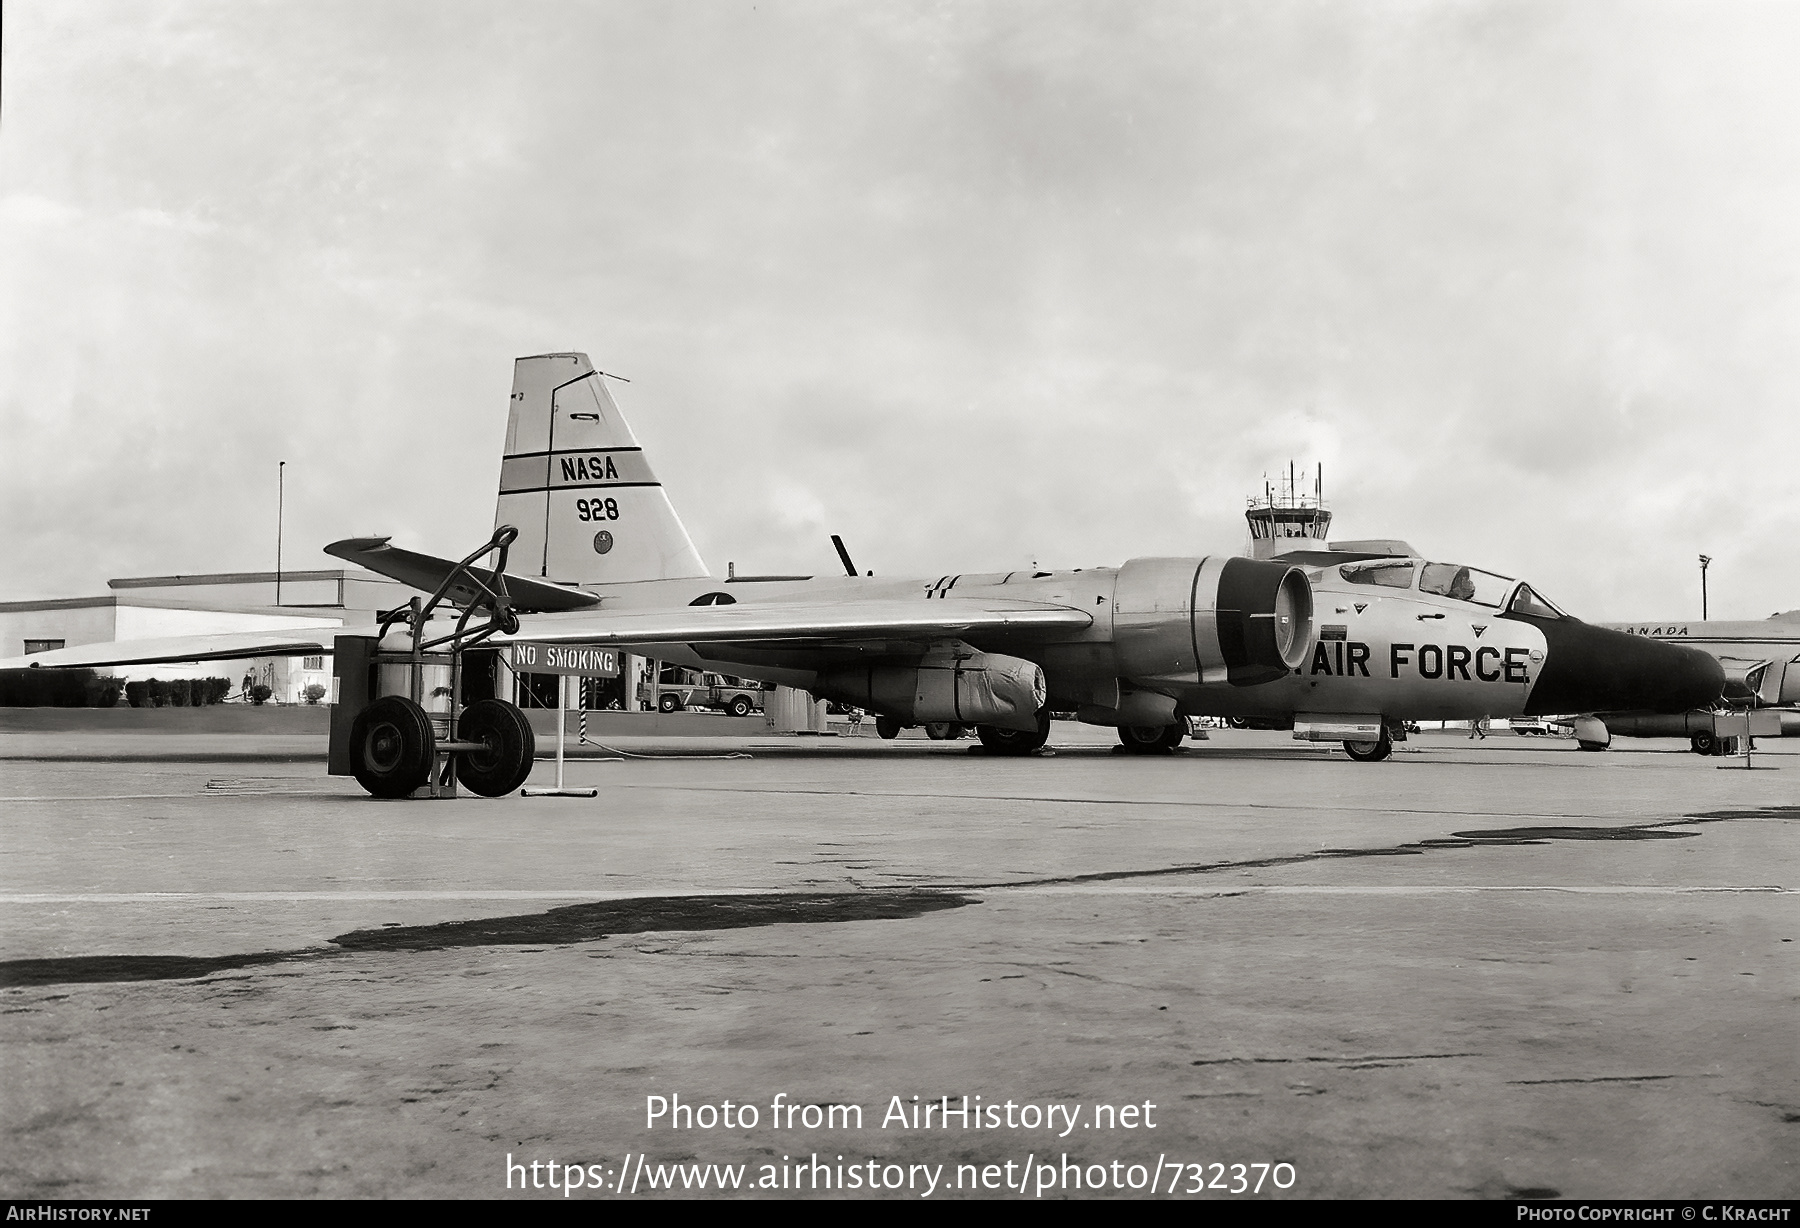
1492, 969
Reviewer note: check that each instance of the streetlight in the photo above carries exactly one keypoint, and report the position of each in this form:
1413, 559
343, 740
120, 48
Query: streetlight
280, 506
1704, 560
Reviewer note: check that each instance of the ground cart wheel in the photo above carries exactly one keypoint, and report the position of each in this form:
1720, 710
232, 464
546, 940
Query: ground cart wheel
510, 748
939, 731
1704, 742
392, 747
1370, 752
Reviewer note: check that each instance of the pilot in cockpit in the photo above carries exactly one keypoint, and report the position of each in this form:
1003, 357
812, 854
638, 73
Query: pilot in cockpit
1462, 586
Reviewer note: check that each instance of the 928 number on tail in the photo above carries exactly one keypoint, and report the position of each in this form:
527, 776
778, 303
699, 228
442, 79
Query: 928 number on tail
596, 509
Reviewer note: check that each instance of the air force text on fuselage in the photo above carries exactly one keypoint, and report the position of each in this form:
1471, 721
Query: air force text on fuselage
1350, 658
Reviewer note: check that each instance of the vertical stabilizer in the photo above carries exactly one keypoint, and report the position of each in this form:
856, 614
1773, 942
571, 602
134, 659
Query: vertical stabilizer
577, 486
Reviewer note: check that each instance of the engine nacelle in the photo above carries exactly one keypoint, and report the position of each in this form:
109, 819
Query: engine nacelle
969, 688
1208, 620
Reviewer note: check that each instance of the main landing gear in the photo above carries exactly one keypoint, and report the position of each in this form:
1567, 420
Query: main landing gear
1000, 741
1706, 742
1150, 739
1371, 752
410, 735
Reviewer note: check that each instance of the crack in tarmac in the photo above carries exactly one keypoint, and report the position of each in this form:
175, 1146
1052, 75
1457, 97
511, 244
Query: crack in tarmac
585, 922
1512, 836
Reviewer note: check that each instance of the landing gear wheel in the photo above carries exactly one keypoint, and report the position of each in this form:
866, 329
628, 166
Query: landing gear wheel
1141, 738
392, 747
739, 706
1370, 752
669, 703
887, 727
1591, 745
1704, 742
1015, 741
511, 746
940, 731
1238, 722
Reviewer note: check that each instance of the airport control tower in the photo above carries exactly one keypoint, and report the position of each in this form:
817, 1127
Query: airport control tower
1286, 516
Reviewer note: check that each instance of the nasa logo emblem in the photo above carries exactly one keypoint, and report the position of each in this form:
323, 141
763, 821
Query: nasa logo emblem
602, 542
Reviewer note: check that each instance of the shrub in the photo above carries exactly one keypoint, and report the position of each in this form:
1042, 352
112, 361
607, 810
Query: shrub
44, 688
259, 694
217, 689
315, 692
103, 692
137, 694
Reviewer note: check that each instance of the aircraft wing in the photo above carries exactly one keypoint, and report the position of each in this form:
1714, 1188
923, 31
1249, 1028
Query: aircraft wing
778, 621
801, 620
425, 572
225, 646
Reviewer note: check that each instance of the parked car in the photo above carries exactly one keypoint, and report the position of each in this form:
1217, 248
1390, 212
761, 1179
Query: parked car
677, 689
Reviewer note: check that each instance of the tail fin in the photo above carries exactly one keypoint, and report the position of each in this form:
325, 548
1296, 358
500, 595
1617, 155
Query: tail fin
576, 485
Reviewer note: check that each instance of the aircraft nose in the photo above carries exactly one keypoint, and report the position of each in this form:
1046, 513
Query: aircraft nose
1593, 669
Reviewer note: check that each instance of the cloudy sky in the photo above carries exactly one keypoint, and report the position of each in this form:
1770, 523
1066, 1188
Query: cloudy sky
972, 284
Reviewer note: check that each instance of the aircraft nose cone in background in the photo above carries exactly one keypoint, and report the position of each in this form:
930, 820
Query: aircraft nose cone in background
1592, 669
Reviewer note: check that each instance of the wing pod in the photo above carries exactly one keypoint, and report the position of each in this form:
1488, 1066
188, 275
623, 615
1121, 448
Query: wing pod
975, 688
1211, 620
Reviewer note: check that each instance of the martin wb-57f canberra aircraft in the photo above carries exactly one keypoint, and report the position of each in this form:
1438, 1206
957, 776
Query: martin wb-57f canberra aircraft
589, 551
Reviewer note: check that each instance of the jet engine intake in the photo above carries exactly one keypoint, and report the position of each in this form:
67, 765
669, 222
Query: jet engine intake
1242, 621
969, 688
1744, 679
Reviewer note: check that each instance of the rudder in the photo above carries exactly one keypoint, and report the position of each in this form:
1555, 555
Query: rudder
577, 486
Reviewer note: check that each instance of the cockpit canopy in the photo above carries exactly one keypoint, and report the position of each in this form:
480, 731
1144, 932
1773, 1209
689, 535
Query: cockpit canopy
1452, 580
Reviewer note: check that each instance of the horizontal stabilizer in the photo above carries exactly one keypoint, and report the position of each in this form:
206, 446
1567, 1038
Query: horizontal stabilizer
797, 620
424, 572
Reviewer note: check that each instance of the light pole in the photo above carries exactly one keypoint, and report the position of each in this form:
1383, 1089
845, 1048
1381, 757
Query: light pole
280, 507
1704, 560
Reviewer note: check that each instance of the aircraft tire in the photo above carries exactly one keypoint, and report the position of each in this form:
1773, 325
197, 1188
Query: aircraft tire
1591, 745
739, 706
668, 703
1704, 742
392, 747
1015, 741
1370, 752
1141, 739
511, 747
887, 727
1237, 722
